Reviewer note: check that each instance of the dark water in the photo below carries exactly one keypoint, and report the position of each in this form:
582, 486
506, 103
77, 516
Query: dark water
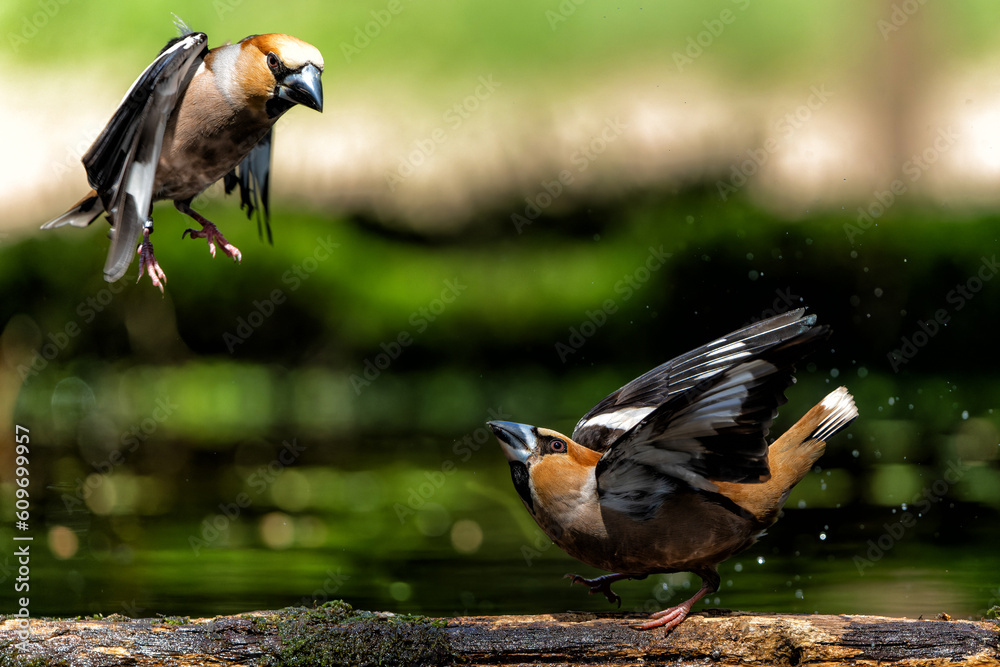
338, 449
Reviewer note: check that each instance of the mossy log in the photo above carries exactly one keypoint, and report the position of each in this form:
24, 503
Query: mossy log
335, 634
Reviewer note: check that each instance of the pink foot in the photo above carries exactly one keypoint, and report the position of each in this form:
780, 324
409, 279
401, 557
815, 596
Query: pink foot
148, 263
212, 234
669, 619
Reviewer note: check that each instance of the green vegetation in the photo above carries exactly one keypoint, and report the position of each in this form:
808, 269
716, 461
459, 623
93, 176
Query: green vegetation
335, 634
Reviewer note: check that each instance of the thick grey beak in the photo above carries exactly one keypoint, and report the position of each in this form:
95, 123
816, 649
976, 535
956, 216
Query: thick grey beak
517, 440
303, 87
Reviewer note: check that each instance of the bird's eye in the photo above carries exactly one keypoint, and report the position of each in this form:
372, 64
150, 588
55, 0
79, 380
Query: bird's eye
272, 61
557, 446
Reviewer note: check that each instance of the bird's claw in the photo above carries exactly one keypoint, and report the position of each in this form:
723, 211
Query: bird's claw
668, 619
598, 585
211, 233
148, 264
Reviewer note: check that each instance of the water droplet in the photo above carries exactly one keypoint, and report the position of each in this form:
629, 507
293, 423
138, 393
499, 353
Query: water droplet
760, 560
862, 372
822, 536
878, 291
799, 594
738, 567
855, 453
892, 400
965, 414
834, 373
753, 274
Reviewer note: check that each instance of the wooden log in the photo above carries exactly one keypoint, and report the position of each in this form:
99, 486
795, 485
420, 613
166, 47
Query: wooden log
334, 634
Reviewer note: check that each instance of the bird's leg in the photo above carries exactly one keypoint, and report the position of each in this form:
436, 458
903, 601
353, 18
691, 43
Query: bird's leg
603, 584
147, 261
672, 617
208, 232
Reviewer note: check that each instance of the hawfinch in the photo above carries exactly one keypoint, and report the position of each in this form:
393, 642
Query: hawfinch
672, 472
194, 116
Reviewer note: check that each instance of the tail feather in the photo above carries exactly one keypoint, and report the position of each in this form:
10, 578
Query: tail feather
794, 454
82, 214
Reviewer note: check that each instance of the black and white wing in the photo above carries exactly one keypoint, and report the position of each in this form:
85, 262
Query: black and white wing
121, 165
623, 409
253, 175
712, 430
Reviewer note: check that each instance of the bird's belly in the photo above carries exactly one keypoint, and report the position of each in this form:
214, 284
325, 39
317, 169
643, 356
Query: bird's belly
185, 171
678, 540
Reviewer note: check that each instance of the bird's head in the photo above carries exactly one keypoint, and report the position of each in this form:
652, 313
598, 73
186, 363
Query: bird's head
284, 70
546, 466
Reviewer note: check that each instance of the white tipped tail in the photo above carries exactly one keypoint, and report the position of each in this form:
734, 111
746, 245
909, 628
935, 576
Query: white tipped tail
840, 411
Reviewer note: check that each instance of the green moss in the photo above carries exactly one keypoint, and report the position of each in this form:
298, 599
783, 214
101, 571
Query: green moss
176, 620
337, 634
11, 657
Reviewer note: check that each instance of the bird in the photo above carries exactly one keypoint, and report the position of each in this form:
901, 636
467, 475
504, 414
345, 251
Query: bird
673, 472
194, 116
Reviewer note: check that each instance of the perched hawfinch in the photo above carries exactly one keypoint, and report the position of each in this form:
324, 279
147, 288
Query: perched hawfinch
672, 472
194, 116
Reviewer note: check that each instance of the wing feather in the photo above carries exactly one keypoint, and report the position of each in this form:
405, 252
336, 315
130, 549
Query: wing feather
121, 165
711, 430
253, 176
627, 406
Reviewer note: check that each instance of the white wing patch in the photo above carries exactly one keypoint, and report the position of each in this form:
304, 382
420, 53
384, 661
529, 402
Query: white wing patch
623, 419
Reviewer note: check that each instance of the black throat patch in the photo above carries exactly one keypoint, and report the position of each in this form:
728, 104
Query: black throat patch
519, 475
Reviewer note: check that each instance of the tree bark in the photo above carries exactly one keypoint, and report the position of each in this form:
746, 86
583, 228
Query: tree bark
339, 635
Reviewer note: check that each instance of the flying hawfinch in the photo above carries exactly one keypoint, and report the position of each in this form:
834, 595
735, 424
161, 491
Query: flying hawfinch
194, 116
672, 472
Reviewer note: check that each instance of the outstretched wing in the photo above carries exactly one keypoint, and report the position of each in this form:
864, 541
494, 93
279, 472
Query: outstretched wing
121, 165
253, 175
624, 408
712, 430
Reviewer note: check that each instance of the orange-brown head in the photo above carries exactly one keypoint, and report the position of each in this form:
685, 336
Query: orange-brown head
279, 71
548, 469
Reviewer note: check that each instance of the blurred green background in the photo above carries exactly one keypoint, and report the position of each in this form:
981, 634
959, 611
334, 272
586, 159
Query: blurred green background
448, 235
